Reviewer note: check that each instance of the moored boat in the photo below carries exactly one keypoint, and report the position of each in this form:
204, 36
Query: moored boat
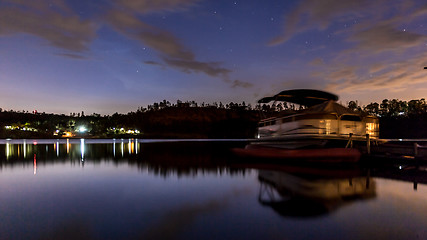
322, 130
321, 121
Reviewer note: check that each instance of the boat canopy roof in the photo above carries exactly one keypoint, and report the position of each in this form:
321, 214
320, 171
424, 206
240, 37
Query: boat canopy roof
305, 97
329, 107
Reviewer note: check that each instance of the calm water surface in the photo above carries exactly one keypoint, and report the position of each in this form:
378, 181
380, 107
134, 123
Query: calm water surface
125, 189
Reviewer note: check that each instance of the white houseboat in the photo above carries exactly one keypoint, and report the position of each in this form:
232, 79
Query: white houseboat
321, 121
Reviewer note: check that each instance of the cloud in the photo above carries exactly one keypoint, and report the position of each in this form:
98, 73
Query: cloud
386, 37
382, 59
71, 55
147, 6
420, 12
317, 62
152, 63
173, 53
376, 68
314, 14
167, 44
163, 42
43, 20
392, 75
56, 22
242, 84
210, 68
320, 15
344, 72
375, 51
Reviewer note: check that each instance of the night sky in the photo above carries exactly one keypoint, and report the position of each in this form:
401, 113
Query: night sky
109, 56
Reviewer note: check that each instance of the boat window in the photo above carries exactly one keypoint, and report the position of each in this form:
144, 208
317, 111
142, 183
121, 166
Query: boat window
371, 120
350, 118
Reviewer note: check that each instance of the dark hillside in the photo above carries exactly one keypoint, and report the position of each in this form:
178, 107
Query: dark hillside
198, 122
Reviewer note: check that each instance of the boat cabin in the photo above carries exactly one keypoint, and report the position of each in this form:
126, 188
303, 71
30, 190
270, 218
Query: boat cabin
323, 118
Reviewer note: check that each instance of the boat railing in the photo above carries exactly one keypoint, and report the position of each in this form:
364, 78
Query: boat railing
328, 124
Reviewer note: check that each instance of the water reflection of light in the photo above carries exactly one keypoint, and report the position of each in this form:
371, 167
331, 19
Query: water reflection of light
122, 148
35, 164
57, 148
7, 150
130, 146
136, 146
82, 148
114, 147
25, 148
68, 145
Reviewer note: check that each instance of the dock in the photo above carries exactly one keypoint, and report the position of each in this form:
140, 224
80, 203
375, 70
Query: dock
415, 149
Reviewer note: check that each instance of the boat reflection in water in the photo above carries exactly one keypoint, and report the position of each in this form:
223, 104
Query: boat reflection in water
308, 192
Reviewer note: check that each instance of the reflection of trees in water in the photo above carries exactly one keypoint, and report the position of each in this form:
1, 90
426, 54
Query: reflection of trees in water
309, 196
163, 159
185, 159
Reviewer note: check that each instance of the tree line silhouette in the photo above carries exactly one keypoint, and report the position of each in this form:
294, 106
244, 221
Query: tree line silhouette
398, 119
394, 107
158, 120
189, 119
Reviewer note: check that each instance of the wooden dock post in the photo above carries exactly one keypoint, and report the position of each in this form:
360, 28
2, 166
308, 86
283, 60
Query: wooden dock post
350, 141
368, 144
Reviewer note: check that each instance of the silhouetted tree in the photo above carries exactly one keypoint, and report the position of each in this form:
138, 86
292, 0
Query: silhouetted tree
372, 108
353, 105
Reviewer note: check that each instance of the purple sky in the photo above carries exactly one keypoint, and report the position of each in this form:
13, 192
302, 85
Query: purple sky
109, 56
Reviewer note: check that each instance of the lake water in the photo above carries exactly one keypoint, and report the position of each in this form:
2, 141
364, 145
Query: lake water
128, 189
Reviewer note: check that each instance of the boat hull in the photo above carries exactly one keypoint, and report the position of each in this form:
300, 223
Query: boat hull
330, 155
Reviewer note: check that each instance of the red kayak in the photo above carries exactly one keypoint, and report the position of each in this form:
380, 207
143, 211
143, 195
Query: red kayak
306, 155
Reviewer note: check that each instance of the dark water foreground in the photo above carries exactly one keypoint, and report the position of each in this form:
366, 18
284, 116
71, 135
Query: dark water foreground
124, 189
